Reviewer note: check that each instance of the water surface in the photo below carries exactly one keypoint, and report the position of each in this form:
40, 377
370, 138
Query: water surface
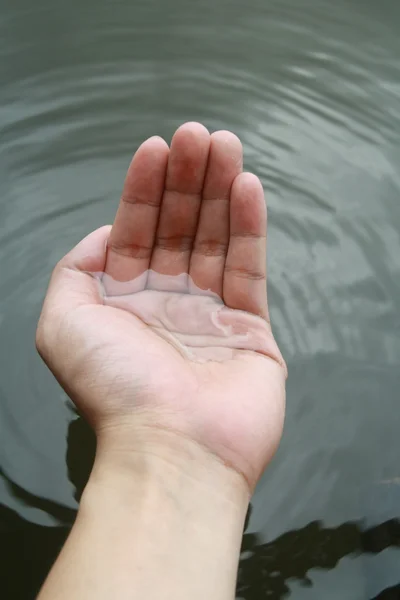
312, 87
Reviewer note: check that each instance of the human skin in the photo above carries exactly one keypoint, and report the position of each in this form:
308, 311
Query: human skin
181, 442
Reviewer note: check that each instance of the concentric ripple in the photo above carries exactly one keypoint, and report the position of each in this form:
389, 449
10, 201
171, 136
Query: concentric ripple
312, 87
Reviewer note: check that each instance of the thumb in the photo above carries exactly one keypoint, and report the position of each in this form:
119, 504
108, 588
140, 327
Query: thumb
71, 284
90, 254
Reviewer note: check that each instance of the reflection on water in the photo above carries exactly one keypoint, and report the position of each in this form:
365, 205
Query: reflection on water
313, 89
265, 569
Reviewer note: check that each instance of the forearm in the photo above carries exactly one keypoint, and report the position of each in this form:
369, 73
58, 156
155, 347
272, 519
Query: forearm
151, 527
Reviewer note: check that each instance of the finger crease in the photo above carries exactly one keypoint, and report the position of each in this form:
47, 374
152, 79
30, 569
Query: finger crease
194, 196
245, 273
176, 243
210, 248
131, 250
224, 199
132, 200
247, 235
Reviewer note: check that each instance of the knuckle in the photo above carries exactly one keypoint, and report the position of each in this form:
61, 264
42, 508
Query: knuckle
130, 250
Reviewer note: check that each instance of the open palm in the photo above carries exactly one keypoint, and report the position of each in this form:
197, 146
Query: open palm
176, 338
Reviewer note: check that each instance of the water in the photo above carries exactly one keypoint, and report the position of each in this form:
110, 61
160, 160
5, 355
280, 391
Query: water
194, 321
313, 90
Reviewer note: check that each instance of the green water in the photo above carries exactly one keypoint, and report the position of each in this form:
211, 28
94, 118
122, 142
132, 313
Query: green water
312, 87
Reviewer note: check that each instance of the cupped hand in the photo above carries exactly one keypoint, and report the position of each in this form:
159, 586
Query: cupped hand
155, 364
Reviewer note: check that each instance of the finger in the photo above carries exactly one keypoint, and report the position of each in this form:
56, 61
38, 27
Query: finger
211, 243
71, 284
132, 236
181, 201
245, 276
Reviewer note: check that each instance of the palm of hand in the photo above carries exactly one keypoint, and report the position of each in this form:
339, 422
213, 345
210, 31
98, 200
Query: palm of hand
170, 352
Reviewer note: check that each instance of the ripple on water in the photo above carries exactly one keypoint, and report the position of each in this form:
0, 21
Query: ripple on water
313, 90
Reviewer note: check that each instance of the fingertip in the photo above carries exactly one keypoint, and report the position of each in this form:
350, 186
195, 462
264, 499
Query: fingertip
146, 172
248, 183
188, 159
248, 207
227, 152
90, 253
191, 129
154, 148
156, 142
227, 138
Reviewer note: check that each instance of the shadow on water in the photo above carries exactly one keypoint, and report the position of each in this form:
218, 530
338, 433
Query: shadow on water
265, 570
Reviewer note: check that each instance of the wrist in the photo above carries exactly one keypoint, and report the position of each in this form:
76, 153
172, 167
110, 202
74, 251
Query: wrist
156, 520
171, 519
149, 458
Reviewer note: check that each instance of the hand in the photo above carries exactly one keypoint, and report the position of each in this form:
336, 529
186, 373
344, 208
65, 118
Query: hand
188, 209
